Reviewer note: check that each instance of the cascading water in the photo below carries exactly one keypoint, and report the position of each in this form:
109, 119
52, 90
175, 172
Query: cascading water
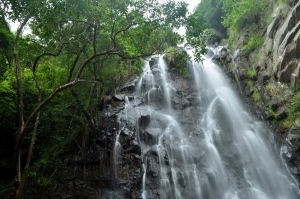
206, 145
239, 161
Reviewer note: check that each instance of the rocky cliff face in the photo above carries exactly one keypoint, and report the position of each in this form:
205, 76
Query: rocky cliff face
270, 78
112, 165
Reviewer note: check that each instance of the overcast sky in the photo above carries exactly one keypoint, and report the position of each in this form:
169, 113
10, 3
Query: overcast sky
192, 5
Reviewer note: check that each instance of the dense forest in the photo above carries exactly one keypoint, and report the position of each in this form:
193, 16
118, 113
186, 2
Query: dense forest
56, 79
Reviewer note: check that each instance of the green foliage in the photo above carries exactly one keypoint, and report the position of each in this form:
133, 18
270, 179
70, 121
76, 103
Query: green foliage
288, 122
294, 109
209, 13
6, 189
251, 72
270, 110
256, 96
7, 96
240, 13
6, 47
253, 43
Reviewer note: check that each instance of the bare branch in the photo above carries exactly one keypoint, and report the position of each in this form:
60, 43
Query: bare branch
35, 63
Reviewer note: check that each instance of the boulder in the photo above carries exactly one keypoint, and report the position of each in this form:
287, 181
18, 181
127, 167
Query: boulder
282, 113
273, 104
130, 85
153, 61
134, 148
221, 53
119, 97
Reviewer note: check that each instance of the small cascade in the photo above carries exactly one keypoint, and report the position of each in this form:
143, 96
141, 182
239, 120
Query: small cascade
165, 82
117, 151
144, 191
117, 155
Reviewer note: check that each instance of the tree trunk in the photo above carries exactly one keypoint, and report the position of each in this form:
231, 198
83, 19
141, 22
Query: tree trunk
28, 160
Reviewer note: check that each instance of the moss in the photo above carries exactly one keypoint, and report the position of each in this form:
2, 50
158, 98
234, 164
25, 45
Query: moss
294, 108
256, 96
254, 43
272, 112
288, 122
251, 72
177, 59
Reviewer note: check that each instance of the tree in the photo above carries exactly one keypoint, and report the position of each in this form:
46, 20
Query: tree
209, 12
84, 32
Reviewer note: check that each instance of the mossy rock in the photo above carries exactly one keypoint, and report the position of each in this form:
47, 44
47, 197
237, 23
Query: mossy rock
176, 59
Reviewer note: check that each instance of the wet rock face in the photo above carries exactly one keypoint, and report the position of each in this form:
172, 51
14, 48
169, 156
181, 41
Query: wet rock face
93, 174
291, 151
139, 129
277, 74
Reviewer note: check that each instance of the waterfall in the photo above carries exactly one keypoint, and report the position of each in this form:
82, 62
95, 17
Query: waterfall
199, 142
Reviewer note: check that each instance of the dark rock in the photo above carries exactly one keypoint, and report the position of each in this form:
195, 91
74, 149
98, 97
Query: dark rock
221, 54
151, 63
273, 104
151, 135
144, 121
293, 137
130, 86
134, 148
263, 77
249, 90
126, 132
282, 113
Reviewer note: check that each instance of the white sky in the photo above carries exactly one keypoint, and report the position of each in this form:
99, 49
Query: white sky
192, 5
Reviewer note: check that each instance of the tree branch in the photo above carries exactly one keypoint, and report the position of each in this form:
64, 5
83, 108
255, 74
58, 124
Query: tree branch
86, 114
56, 92
35, 63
